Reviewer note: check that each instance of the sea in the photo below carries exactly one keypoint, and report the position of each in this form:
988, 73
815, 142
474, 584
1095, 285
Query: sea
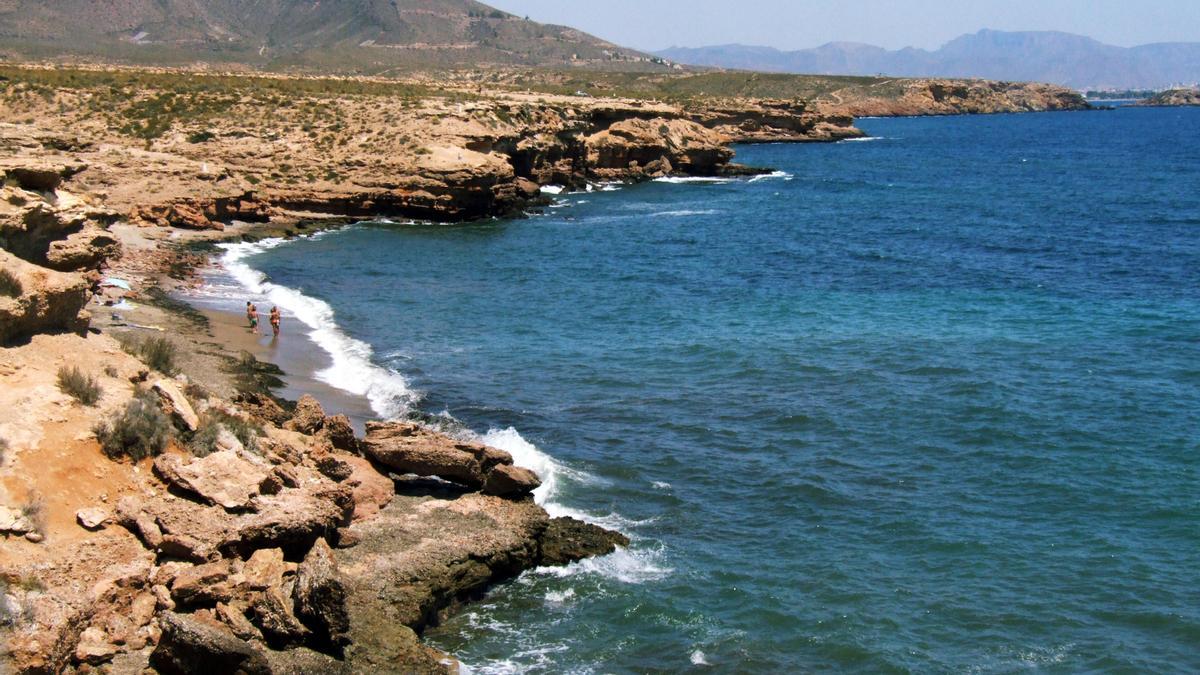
925, 402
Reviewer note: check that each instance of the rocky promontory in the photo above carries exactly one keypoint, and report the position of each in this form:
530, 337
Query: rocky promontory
1173, 98
921, 97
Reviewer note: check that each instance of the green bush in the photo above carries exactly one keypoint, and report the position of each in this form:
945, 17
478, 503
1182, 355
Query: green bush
141, 430
157, 352
82, 388
204, 442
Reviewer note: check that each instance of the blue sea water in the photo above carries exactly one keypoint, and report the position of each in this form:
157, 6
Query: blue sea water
926, 403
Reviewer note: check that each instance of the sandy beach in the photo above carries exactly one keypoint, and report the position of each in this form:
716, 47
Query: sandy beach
297, 355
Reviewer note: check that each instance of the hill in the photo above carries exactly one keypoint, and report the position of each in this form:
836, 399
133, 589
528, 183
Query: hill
1060, 58
347, 35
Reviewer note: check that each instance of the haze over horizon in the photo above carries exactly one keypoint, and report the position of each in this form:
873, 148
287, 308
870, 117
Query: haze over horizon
928, 24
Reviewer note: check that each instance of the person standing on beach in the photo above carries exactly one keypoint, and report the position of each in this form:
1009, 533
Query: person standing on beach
275, 318
252, 313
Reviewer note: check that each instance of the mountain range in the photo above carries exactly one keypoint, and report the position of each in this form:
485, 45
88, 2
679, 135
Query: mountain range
1044, 56
354, 35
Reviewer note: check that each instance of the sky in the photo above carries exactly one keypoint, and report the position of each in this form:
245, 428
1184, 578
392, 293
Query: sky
798, 24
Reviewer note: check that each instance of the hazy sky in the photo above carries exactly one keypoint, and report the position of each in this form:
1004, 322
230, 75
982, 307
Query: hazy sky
797, 24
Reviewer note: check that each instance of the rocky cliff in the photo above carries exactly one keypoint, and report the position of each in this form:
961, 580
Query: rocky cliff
196, 151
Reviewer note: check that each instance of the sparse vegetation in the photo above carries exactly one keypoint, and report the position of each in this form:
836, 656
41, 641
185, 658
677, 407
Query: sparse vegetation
204, 442
141, 430
111, 371
3, 449
34, 510
10, 286
79, 386
157, 352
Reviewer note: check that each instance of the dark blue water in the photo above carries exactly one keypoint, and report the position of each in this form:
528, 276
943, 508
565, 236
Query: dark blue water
930, 403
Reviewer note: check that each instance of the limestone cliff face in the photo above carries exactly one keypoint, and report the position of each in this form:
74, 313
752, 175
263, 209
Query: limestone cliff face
774, 121
50, 240
955, 97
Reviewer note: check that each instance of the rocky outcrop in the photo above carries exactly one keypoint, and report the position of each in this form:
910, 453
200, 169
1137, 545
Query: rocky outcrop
204, 214
919, 97
409, 448
1172, 98
567, 540
35, 299
222, 478
656, 147
52, 228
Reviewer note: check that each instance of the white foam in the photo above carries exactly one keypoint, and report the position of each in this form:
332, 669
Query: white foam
661, 485
623, 565
692, 179
699, 659
774, 175
552, 189
559, 597
864, 139
682, 213
352, 369
527, 455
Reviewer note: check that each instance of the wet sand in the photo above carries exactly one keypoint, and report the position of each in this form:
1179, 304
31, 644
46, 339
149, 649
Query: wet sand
298, 356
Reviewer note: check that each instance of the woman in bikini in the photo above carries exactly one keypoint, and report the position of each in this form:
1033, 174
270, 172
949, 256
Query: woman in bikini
275, 320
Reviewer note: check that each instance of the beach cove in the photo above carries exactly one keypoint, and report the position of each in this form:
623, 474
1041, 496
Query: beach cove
984, 300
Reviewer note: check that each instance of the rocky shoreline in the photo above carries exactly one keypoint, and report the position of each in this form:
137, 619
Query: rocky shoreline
287, 544
166, 510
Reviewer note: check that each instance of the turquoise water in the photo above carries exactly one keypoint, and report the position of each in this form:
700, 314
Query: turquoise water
927, 403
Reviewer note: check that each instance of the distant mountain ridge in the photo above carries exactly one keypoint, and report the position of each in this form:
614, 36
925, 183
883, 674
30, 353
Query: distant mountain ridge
351, 34
1043, 56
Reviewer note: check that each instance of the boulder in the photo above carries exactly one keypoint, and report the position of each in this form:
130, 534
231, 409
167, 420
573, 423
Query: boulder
372, 490
93, 518
271, 611
409, 448
567, 540
308, 417
333, 468
94, 647
234, 616
506, 480
175, 404
223, 478
35, 300
189, 646
321, 596
204, 584
264, 569
262, 407
340, 434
